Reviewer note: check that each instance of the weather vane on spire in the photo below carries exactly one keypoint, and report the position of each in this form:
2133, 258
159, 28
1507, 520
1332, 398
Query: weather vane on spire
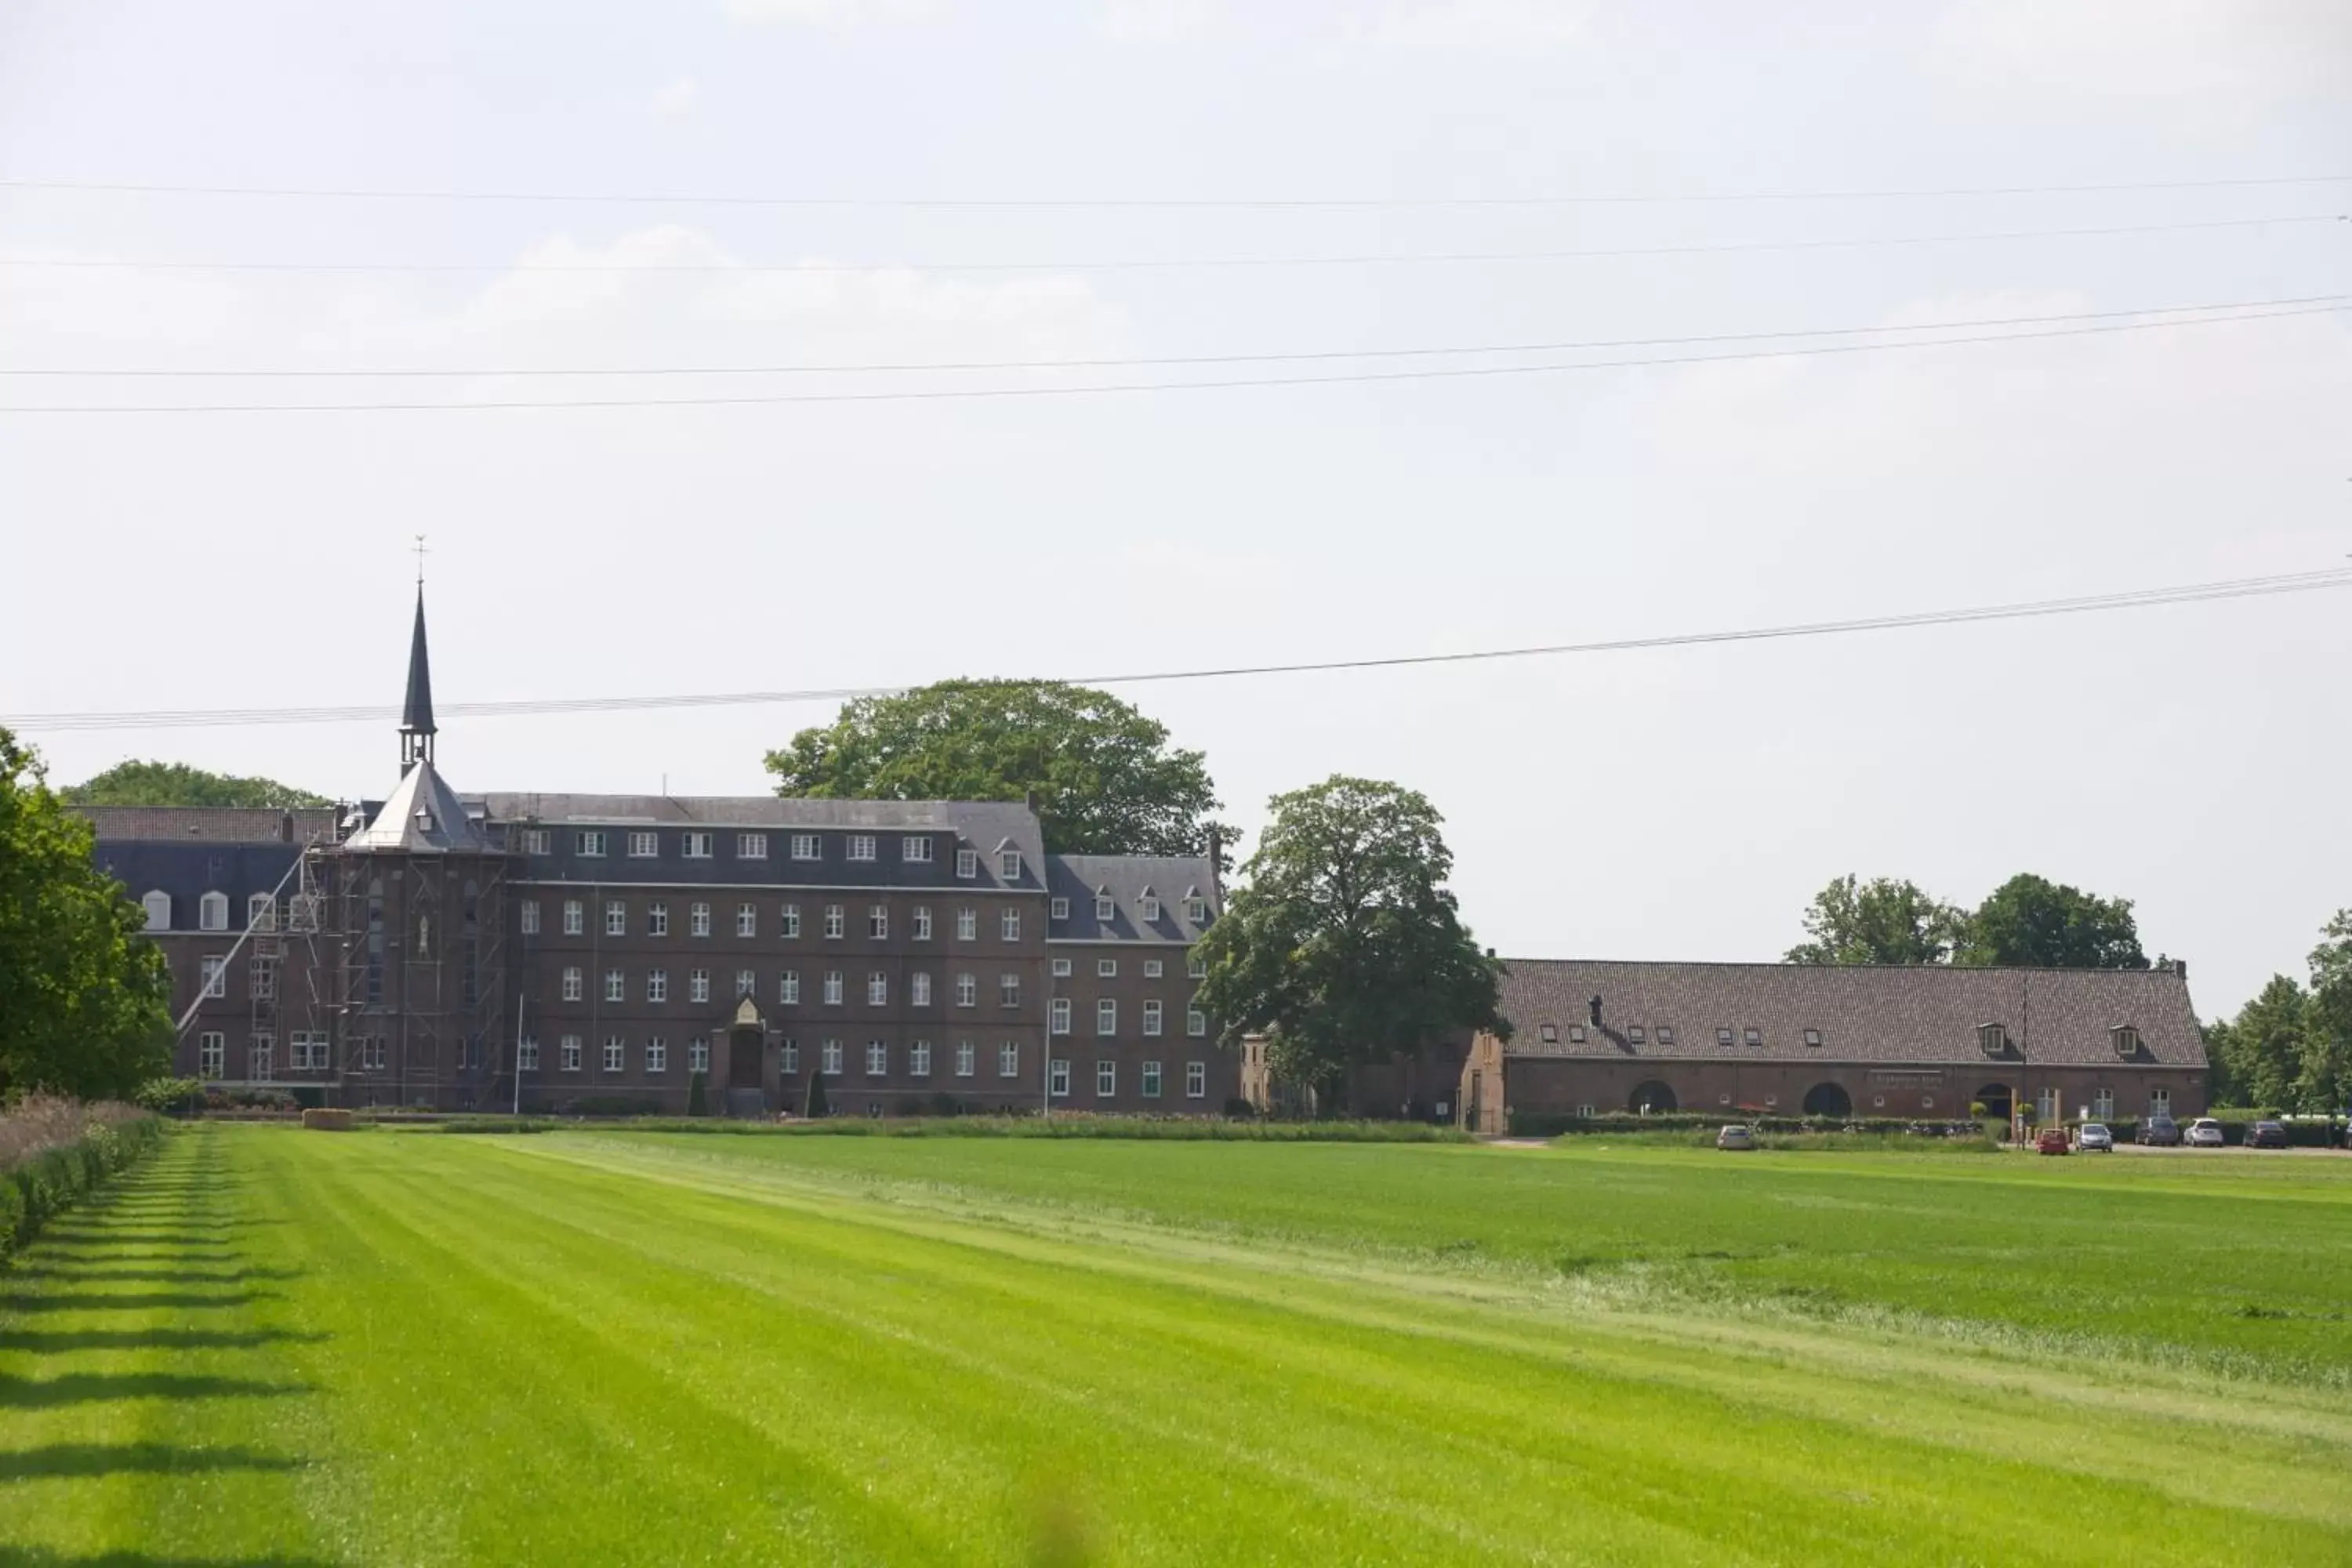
419, 548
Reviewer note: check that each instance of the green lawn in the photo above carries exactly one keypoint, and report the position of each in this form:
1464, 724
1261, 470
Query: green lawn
285, 1347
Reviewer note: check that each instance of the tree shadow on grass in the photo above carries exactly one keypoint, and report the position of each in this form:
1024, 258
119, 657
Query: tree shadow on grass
98, 1274
90, 1387
79, 1461
140, 1301
58, 1342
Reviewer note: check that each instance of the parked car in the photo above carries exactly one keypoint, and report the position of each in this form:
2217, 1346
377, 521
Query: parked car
1736, 1136
2205, 1133
2053, 1140
2095, 1135
2267, 1135
2160, 1133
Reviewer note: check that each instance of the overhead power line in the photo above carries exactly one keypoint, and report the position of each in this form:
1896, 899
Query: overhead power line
1142, 264
1556, 346
714, 198
926, 394
2143, 598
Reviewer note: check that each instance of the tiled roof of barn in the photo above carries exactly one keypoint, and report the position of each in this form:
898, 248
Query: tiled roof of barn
1925, 1013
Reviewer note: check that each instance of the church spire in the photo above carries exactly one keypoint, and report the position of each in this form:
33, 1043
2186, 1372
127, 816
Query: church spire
416, 727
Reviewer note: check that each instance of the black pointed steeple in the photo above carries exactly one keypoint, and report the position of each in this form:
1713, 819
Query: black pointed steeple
417, 714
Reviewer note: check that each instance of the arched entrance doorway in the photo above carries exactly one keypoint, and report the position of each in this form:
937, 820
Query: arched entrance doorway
1828, 1099
1651, 1097
1994, 1098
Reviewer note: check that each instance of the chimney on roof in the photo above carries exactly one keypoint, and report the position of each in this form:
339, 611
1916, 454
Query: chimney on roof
1029, 799
1595, 1005
2180, 967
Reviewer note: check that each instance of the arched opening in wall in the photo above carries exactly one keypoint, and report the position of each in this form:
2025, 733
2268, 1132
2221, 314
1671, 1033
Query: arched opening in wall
1651, 1097
1994, 1098
1828, 1099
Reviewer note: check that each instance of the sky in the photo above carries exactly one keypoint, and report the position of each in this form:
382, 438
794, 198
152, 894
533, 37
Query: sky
1667, 804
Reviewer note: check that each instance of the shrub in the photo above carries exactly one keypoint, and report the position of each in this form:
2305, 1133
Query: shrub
169, 1093
816, 1107
52, 1151
612, 1105
697, 1096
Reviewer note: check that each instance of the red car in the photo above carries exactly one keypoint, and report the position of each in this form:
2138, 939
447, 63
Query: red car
2051, 1141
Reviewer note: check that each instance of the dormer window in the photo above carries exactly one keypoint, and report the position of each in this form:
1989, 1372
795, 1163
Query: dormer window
967, 863
1106, 907
1060, 909
1993, 1039
1150, 907
261, 912
158, 905
2126, 1039
1196, 908
1008, 865
211, 912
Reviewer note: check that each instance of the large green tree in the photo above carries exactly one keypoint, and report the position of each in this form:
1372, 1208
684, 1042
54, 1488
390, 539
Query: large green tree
84, 998
2326, 1080
1344, 945
2257, 1057
1107, 778
176, 784
1887, 919
2031, 921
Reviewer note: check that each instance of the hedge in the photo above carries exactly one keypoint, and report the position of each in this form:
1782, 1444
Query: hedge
1556, 1123
1062, 1124
48, 1167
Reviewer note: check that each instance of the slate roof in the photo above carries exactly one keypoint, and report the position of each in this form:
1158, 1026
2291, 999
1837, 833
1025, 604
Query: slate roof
1928, 1014
422, 815
188, 869
1173, 879
206, 823
417, 709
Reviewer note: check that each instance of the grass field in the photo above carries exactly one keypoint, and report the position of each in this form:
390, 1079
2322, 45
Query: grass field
268, 1346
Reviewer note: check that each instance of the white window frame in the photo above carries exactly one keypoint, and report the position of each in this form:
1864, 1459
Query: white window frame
616, 985
1106, 968
698, 1054
1150, 911
1196, 1024
589, 842
919, 988
568, 1053
536, 841
965, 1058
527, 1055
788, 922
788, 988
1196, 912
1151, 1078
1008, 989
697, 919
1196, 965
1058, 1077
878, 1058
1151, 1018
657, 918
967, 989
829, 1059
747, 984
575, 917
916, 849
837, 922
1106, 1017
616, 917
213, 976
212, 912
878, 988
1008, 865
616, 1053
919, 1058
574, 984
1153, 969
1061, 967
1196, 1080
967, 864
261, 1058
527, 911
832, 993
1058, 910
861, 847
1008, 923
922, 923
212, 1055
807, 847
1106, 1077
747, 920
261, 911
656, 984
967, 924
1008, 1060
877, 922
1057, 1012
656, 1055
644, 846
751, 847
158, 905
695, 845
1106, 907
698, 985
788, 1059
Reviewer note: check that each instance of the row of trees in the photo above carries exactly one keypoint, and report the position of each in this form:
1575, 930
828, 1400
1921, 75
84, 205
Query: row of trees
2027, 919
84, 998
2291, 1047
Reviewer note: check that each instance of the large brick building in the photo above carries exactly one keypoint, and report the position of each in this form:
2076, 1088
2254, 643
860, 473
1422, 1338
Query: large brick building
1923, 1041
558, 950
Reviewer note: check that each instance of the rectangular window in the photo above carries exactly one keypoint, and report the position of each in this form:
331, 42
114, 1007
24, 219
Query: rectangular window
589, 842
212, 1055
922, 922
1008, 924
656, 984
1196, 1080
309, 1048
788, 987
1106, 1016
1152, 1081
747, 983
967, 863
915, 849
877, 921
658, 918
967, 991
616, 1052
918, 1055
1151, 1018
747, 920
1106, 968
878, 1058
2102, 1105
261, 979
964, 1054
788, 1059
1666, 1035
1812, 1037
1106, 1078
2159, 1102
1008, 1064
788, 924
694, 845
1152, 969
835, 923
656, 1055
1754, 1037
1008, 864
877, 989
572, 985
1105, 908
1008, 990
215, 976
697, 919
967, 925
1059, 1013
698, 985
616, 985
698, 1054
536, 841
527, 1057
616, 918
861, 847
1196, 910
1059, 909
1635, 1036
1058, 1077
528, 912
1150, 911
1196, 964
261, 1058
644, 846
570, 1048
751, 847
1196, 1022
804, 847
918, 989
833, 988
1061, 969
575, 917
829, 1059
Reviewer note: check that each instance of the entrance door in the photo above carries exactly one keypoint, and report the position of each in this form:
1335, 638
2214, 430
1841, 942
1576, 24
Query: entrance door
743, 1087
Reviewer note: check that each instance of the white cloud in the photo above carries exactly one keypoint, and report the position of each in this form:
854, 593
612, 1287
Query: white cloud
832, 14
677, 97
1151, 21
2232, 53
1418, 28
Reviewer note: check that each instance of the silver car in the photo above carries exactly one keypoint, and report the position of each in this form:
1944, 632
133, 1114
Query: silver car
2204, 1134
1736, 1136
2095, 1135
